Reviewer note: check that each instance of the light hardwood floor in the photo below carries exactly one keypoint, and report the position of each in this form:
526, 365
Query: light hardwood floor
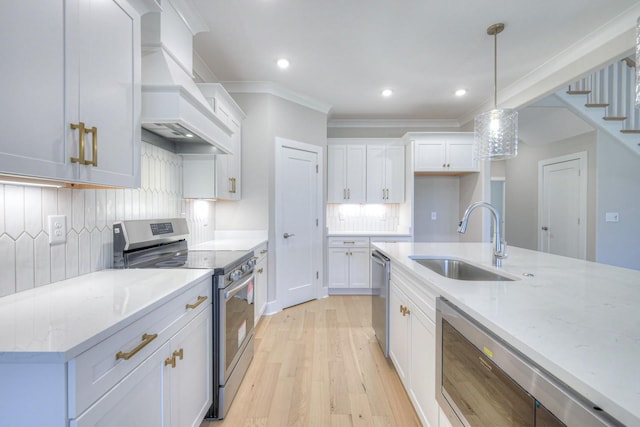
319, 364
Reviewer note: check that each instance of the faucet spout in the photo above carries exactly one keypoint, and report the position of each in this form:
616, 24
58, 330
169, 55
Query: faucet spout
500, 248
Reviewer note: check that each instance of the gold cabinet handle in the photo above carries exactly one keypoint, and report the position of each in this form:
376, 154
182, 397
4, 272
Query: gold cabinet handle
81, 132
146, 339
94, 146
260, 270
234, 185
264, 251
200, 300
170, 361
179, 354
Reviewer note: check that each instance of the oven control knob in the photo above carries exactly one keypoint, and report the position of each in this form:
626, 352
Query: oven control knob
246, 267
235, 274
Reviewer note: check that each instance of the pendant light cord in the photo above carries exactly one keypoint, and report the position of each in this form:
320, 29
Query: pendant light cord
495, 70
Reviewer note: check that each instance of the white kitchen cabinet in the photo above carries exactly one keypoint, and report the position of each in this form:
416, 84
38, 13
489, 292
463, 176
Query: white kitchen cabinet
444, 152
262, 278
74, 117
412, 342
125, 378
227, 184
347, 173
385, 173
349, 263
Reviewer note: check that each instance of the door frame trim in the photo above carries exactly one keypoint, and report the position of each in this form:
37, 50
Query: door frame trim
281, 143
582, 157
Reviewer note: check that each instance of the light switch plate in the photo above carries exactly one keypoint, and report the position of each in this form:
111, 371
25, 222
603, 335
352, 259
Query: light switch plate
434, 216
57, 229
611, 217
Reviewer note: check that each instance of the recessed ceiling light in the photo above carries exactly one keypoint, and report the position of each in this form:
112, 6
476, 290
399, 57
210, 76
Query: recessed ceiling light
283, 63
387, 93
461, 92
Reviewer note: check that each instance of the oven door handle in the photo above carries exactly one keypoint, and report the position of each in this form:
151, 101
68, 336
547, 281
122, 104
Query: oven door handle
231, 292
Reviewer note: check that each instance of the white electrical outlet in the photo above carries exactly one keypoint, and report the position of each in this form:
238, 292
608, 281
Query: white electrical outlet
57, 229
611, 217
434, 216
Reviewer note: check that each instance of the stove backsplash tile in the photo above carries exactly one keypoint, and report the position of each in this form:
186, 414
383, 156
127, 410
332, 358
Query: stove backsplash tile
26, 258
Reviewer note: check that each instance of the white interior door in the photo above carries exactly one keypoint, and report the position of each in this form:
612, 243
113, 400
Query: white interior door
298, 237
562, 219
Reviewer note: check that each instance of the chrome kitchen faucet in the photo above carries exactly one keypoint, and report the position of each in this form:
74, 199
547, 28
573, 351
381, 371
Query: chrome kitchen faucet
500, 250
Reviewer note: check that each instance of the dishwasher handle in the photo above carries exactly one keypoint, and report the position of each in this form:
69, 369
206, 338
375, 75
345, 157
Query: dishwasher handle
379, 258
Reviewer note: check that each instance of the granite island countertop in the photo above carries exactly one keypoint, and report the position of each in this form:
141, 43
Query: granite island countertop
579, 320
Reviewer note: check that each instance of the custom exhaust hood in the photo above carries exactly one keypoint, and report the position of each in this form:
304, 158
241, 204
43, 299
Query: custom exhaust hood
172, 105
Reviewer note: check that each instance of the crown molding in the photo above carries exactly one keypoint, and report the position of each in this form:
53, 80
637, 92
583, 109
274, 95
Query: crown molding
279, 91
392, 123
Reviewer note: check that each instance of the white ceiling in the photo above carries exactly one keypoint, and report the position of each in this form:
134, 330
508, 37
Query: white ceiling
344, 52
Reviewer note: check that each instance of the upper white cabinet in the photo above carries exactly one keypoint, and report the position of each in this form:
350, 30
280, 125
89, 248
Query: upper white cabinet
72, 115
228, 167
444, 152
385, 173
347, 173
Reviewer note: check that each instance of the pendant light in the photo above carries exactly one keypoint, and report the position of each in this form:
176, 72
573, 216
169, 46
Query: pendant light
496, 131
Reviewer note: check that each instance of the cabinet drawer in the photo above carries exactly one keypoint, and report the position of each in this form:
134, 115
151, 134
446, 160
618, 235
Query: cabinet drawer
95, 371
337, 242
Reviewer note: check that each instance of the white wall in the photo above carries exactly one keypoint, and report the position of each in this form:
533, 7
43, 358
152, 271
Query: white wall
521, 189
27, 260
618, 182
268, 117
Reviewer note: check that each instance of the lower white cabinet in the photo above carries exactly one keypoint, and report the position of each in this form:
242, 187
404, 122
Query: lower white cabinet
154, 372
261, 283
349, 263
412, 342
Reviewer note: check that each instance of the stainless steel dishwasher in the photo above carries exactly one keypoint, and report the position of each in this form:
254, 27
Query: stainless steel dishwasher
380, 275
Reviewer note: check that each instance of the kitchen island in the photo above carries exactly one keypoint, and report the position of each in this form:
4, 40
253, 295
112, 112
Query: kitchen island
579, 320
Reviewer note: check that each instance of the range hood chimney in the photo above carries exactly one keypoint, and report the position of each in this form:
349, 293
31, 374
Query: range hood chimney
172, 105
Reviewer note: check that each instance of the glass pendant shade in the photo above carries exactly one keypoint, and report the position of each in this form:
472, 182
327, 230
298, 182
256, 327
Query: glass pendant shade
637, 59
496, 131
496, 134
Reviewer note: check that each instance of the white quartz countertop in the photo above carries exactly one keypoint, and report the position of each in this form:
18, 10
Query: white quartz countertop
57, 322
242, 244
577, 319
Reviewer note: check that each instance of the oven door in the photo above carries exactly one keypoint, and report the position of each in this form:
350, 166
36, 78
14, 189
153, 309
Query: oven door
236, 322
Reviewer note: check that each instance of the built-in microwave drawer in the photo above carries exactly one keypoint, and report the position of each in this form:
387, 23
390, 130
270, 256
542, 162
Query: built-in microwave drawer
94, 372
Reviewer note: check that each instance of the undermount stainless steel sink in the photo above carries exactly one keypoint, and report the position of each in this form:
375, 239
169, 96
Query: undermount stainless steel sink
460, 270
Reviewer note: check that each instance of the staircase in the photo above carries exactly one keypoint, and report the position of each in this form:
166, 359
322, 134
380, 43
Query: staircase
606, 98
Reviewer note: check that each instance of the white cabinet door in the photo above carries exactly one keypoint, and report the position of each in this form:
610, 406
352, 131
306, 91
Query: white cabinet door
460, 153
395, 174
33, 96
423, 363
376, 173
385, 173
338, 267
359, 268
430, 155
261, 283
140, 399
107, 63
199, 176
88, 72
191, 378
346, 173
399, 333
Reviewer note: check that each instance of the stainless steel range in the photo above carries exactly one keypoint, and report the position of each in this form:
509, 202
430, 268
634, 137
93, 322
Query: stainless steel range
162, 243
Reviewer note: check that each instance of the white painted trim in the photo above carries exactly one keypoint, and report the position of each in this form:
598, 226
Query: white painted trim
279, 91
584, 171
318, 239
384, 123
612, 41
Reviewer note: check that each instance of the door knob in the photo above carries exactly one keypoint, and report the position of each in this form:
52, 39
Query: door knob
545, 228
287, 235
